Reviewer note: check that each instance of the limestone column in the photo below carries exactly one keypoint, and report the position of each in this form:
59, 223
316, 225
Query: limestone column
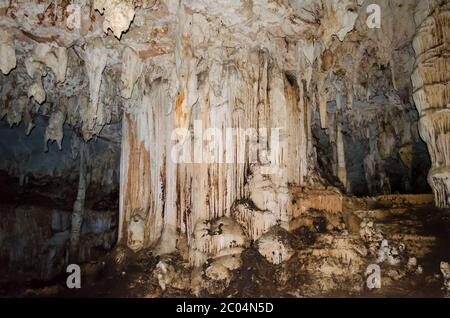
432, 90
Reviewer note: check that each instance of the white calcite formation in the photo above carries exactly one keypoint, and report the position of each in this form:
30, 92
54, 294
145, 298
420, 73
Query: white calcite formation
276, 246
217, 78
131, 70
216, 238
54, 131
255, 222
54, 58
15, 111
45, 56
169, 274
36, 71
7, 51
432, 90
118, 15
136, 233
95, 62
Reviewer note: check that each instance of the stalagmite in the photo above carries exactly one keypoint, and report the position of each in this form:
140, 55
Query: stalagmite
7, 51
276, 246
54, 131
136, 233
268, 196
216, 238
348, 23
432, 92
27, 113
232, 148
37, 91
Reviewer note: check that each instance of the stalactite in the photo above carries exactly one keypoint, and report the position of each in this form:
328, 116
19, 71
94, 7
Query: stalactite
118, 15
54, 57
95, 62
254, 222
144, 183
36, 71
131, 70
303, 133
341, 19
276, 246
432, 91
7, 51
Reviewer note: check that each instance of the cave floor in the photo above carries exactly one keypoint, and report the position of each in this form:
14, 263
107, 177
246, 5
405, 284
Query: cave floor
317, 269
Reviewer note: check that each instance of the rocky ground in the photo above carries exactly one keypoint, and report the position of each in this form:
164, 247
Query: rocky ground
327, 256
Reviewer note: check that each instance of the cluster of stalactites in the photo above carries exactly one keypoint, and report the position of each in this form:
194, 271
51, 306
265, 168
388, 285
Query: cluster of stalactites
67, 103
44, 57
245, 88
46, 66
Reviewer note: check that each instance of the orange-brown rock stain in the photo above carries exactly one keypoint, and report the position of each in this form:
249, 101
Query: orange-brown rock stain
138, 186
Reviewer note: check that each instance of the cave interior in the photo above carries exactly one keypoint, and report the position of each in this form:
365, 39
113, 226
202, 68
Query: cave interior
254, 148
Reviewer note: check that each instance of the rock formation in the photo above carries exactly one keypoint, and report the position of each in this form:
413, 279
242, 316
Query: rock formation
432, 90
214, 128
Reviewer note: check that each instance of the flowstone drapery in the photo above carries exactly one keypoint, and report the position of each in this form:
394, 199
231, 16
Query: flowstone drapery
432, 91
